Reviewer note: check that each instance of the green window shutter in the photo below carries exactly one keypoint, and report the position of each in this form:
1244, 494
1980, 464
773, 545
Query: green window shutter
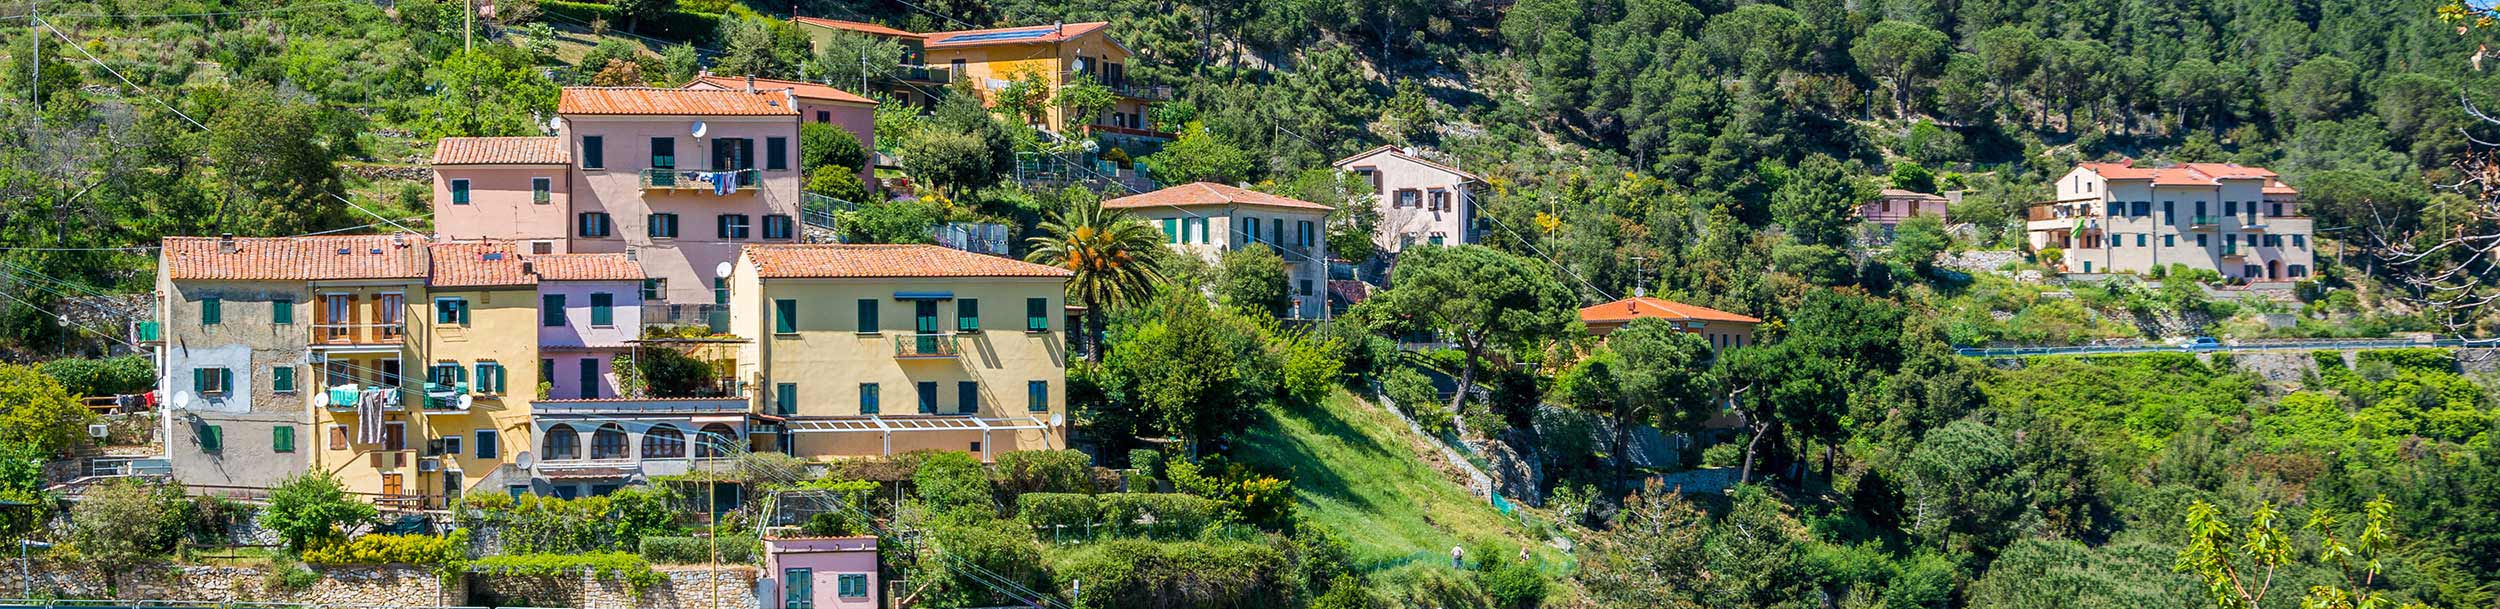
282, 378
485, 377
868, 398
282, 311
786, 398
1039, 391
225, 381
551, 310
212, 438
212, 311
1037, 315
602, 309
968, 315
867, 316
199, 381
785, 316
282, 439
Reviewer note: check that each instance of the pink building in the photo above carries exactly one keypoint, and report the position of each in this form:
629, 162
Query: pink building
601, 296
817, 104
1421, 202
681, 178
504, 188
1895, 205
820, 573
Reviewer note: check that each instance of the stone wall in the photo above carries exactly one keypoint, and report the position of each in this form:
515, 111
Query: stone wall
349, 586
686, 587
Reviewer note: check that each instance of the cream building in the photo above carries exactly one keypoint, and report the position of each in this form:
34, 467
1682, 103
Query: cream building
2242, 222
1206, 219
866, 350
1421, 202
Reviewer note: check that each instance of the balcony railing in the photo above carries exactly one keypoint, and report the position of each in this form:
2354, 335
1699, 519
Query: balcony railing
2203, 221
346, 397
2232, 250
359, 333
925, 346
922, 74
444, 397
741, 180
1143, 92
675, 319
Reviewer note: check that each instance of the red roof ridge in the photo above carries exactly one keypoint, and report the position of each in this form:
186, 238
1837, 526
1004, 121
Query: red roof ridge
799, 88
857, 26
1209, 193
1637, 307
885, 260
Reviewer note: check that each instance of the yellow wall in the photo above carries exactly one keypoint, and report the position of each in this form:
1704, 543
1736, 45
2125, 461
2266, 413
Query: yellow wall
1052, 61
355, 464
828, 360
503, 328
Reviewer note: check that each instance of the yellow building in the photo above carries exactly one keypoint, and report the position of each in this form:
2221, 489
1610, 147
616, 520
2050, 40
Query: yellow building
992, 58
866, 350
362, 410
480, 348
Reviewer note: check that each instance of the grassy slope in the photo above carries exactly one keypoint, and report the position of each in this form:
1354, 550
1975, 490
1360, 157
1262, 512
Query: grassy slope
1357, 470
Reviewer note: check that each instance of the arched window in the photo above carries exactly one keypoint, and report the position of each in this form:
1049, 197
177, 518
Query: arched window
663, 442
715, 441
563, 443
608, 442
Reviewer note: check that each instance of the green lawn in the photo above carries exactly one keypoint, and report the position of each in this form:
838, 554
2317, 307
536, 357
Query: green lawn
1357, 470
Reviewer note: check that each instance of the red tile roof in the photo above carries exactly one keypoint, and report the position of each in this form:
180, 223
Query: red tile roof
478, 264
958, 39
1637, 307
648, 101
882, 261
1401, 153
855, 26
2190, 174
502, 151
586, 267
805, 90
1208, 193
295, 258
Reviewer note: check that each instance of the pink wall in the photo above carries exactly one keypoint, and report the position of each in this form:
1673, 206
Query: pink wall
827, 558
499, 203
1890, 211
567, 345
688, 260
861, 121
1416, 223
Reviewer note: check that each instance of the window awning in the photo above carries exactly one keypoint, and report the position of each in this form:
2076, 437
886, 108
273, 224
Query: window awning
924, 295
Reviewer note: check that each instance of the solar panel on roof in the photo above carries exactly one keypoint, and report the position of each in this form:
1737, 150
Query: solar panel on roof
999, 36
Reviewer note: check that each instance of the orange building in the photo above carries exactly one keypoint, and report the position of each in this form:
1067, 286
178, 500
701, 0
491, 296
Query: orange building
1723, 329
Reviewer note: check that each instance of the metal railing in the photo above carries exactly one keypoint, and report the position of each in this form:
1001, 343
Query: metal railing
817, 210
939, 345
661, 315
2347, 344
359, 333
690, 179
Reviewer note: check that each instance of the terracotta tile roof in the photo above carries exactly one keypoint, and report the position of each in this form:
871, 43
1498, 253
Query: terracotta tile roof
855, 26
2191, 174
478, 264
649, 101
1897, 193
1208, 193
2230, 171
2122, 170
295, 258
1011, 35
502, 151
1401, 153
1638, 307
586, 267
805, 90
877, 261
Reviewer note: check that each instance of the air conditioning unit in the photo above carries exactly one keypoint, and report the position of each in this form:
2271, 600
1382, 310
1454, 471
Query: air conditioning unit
99, 430
429, 465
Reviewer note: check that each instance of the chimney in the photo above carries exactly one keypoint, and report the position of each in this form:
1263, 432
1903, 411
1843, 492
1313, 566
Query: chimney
750, 83
527, 268
225, 243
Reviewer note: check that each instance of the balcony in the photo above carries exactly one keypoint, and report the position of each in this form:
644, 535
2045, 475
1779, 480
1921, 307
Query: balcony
670, 320
347, 334
345, 398
2232, 250
743, 180
925, 346
1144, 93
928, 75
2203, 221
440, 397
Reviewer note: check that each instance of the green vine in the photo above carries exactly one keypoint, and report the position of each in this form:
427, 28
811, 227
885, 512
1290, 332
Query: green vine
633, 570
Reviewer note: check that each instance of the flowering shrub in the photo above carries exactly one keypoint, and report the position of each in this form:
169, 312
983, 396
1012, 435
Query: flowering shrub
385, 549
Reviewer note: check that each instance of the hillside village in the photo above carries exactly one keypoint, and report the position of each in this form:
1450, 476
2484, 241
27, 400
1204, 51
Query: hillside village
984, 304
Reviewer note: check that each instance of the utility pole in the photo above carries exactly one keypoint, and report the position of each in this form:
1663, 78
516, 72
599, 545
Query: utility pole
468, 31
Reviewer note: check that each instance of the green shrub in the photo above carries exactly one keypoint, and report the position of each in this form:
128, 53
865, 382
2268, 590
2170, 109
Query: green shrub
1413, 392
383, 550
1146, 461
682, 550
110, 376
631, 569
1132, 573
696, 28
1174, 515
1045, 471
2417, 360
1724, 454
1058, 509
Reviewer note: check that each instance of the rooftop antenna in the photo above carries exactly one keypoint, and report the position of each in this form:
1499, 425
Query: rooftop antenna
1640, 279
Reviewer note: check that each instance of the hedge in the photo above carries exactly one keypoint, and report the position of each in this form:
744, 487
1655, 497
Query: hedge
1058, 509
1174, 514
385, 549
677, 550
696, 28
1131, 573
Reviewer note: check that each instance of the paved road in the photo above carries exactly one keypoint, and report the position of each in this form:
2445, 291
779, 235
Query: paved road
2352, 344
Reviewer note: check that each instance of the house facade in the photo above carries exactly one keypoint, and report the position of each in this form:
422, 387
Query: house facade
1207, 220
681, 178
867, 350
2242, 222
504, 188
1722, 329
992, 58
1421, 202
817, 104
472, 413
820, 573
915, 82
1893, 205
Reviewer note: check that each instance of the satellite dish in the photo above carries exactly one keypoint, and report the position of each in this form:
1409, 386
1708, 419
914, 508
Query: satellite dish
700, 129
182, 399
525, 460
1079, 64
555, 123
721, 270
463, 402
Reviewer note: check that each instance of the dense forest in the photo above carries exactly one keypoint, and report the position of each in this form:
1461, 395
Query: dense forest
1710, 151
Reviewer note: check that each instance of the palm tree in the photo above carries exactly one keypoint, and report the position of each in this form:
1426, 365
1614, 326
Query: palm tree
1112, 253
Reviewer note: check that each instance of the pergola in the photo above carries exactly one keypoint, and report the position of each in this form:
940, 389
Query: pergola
886, 427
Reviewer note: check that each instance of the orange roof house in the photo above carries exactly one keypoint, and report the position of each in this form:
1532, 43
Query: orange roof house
1209, 193
652, 101
1724, 330
859, 261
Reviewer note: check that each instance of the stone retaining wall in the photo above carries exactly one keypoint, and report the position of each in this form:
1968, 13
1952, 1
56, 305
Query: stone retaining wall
350, 586
686, 587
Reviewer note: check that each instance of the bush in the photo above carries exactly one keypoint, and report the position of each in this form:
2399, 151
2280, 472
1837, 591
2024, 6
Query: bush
674, 25
1512, 582
606, 565
823, 145
121, 522
1058, 510
616, 522
1147, 461
952, 485
836, 183
1725, 454
1413, 392
385, 549
308, 507
1130, 573
1314, 364
111, 376
1045, 471
1174, 515
2415, 360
